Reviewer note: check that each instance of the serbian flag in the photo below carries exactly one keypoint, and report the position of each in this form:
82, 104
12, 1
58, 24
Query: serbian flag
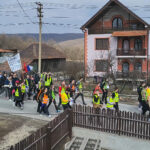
28, 68
25, 67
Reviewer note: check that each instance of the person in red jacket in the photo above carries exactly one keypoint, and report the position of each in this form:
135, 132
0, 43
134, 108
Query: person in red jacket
97, 88
59, 91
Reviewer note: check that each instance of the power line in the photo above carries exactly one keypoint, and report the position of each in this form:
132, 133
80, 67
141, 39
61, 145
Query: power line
25, 12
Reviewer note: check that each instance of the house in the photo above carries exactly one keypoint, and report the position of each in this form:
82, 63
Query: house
52, 59
119, 33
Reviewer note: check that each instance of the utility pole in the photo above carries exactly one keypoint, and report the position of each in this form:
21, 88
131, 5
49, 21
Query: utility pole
40, 15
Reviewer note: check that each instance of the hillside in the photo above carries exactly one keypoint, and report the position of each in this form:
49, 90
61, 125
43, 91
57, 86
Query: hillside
73, 49
50, 36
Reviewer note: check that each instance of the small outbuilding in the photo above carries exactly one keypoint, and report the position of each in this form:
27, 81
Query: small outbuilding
52, 59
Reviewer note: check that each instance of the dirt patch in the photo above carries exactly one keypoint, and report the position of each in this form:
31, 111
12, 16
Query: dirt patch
15, 128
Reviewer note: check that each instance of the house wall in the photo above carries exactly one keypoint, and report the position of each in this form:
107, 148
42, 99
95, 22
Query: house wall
93, 54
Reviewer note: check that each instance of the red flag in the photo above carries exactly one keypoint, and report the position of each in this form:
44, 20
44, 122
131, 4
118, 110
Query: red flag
25, 67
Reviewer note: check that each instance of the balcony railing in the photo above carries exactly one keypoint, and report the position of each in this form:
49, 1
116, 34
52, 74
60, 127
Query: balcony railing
110, 30
123, 52
131, 75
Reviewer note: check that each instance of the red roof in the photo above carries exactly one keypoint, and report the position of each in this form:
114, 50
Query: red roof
8, 51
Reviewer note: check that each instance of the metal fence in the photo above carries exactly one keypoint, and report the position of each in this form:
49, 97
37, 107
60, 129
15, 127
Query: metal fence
48, 136
121, 123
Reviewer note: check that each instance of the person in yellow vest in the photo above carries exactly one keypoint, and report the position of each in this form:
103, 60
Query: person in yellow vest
28, 86
64, 98
52, 98
110, 101
79, 91
148, 94
48, 81
105, 87
116, 106
145, 106
23, 91
96, 100
44, 103
18, 95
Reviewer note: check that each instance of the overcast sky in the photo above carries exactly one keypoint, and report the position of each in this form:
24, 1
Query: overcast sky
60, 16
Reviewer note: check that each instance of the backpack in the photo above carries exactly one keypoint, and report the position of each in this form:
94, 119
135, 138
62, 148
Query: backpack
139, 90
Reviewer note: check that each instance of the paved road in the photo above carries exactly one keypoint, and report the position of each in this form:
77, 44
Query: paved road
111, 141
30, 108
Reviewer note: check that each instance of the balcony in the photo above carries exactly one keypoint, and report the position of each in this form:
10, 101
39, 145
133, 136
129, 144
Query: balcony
123, 52
111, 30
135, 75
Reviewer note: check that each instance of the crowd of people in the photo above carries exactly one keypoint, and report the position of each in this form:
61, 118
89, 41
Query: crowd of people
42, 89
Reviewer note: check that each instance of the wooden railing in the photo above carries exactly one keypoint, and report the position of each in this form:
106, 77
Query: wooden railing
121, 123
49, 136
122, 52
111, 30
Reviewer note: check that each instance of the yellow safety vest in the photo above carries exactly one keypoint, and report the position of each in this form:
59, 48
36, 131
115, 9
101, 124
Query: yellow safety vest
144, 95
116, 97
98, 102
23, 88
80, 85
48, 82
40, 84
64, 97
17, 93
27, 83
110, 102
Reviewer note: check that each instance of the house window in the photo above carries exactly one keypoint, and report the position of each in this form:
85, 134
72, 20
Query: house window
125, 67
138, 44
138, 67
102, 44
101, 65
117, 23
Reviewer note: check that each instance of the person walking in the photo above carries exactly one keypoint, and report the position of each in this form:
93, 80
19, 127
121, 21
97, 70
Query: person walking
10, 88
105, 91
116, 106
18, 95
96, 100
52, 98
23, 91
110, 101
59, 92
145, 106
79, 91
48, 81
28, 86
139, 91
64, 98
45, 100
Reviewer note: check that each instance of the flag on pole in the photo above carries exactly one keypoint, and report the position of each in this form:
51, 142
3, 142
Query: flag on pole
25, 67
28, 68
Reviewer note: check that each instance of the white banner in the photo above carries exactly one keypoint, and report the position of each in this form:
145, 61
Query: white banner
14, 63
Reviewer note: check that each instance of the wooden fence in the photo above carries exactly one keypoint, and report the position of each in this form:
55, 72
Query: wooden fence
122, 123
48, 136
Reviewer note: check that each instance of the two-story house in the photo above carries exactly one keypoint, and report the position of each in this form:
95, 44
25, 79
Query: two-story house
118, 34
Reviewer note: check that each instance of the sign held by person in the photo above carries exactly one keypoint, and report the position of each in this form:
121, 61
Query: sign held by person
14, 63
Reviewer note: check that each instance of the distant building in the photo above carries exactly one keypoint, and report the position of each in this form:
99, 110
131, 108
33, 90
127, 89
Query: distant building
116, 31
52, 59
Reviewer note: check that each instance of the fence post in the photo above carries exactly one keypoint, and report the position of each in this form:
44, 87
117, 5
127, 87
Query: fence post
119, 122
70, 122
48, 139
11, 148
